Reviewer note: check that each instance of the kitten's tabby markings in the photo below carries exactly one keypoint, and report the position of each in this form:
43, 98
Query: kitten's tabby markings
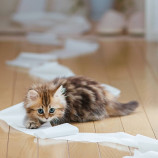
74, 99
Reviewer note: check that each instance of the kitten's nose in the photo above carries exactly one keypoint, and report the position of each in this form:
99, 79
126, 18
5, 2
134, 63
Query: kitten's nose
46, 117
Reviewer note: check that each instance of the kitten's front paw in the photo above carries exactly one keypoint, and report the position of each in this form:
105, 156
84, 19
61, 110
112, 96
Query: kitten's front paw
32, 125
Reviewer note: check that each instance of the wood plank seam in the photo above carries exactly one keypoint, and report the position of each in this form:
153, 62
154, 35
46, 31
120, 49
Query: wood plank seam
68, 150
37, 147
122, 124
135, 87
149, 65
8, 142
97, 143
119, 116
13, 88
132, 77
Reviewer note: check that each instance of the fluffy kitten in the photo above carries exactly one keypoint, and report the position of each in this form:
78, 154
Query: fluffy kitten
73, 99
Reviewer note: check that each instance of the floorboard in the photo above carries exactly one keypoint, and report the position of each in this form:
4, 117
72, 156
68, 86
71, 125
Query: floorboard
8, 51
119, 76
146, 84
20, 144
129, 65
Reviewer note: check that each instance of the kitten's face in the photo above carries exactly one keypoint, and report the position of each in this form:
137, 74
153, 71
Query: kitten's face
46, 106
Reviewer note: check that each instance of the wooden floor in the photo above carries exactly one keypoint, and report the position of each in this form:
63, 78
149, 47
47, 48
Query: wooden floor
130, 66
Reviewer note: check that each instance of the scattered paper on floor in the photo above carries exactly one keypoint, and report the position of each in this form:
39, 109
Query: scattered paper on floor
72, 48
50, 71
15, 116
44, 39
53, 23
31, 60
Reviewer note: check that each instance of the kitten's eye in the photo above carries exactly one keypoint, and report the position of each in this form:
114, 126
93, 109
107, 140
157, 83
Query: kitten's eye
40, 111
51, 110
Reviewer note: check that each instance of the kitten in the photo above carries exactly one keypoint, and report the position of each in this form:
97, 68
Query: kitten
73, 99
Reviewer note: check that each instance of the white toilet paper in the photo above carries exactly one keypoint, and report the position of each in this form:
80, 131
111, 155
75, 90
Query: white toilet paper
44, 39
15, 116
50, 71
31, 60
72, 48
149, 154
146, 143
57, 131
118, 138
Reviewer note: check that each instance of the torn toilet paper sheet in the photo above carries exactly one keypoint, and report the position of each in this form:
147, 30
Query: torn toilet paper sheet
149, 154
81, 45
74, 25
146, 144
143, 143
118, 138
56, 23
25, 63
15, 116
139, 142
73, 48
35, 56
30, 60
43, 38
50, 71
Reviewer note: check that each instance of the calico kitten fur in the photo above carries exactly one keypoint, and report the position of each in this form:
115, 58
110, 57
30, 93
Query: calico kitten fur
73, 99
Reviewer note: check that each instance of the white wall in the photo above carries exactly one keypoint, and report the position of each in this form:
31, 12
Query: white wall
151, 20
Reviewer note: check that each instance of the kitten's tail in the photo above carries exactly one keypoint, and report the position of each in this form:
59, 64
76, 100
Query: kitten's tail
119, 109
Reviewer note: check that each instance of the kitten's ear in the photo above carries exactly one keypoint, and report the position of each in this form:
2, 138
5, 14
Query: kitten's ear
59, 91
59, 96
32, 95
